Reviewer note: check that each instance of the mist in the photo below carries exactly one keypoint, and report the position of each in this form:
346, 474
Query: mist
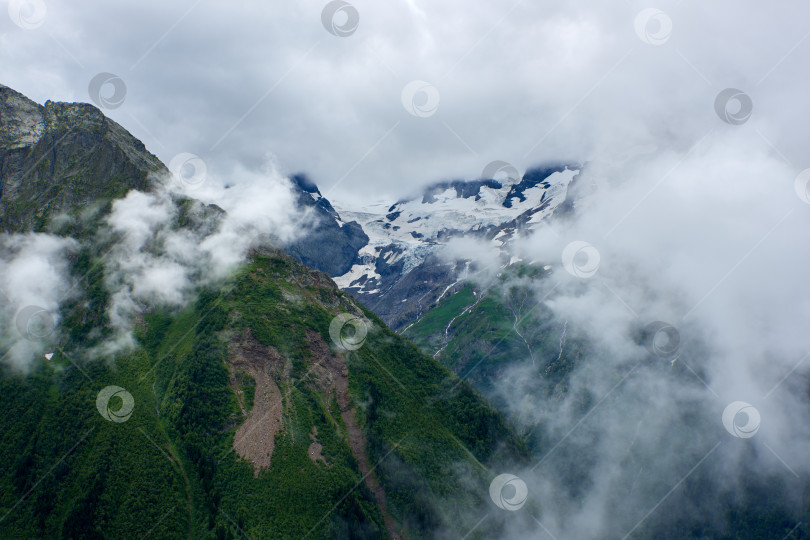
33, 282
160, 248
687, 283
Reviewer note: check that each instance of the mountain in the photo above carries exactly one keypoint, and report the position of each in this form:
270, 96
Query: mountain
248, 419
269, 405
406, 268
269, 402
331, 245
63, 157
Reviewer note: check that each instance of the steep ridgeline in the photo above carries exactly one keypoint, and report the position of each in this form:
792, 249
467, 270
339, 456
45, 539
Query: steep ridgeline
405, 268
69, 158
62, 157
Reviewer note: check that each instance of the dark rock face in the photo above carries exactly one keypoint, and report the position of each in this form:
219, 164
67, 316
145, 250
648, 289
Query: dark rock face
62, 157
405, 297
535, 177
330, 245
463, 188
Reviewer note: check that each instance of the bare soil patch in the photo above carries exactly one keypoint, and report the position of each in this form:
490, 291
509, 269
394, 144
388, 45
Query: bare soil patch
315, 449
332, 374
255, 438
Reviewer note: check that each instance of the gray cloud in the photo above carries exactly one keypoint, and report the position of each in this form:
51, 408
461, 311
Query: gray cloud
706, 239
518, 82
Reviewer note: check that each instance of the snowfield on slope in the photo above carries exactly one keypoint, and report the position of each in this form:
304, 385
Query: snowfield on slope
410, 230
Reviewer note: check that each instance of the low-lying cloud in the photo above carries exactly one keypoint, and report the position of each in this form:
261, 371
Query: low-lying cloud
160, 246
159, 262
709, 240
33, 283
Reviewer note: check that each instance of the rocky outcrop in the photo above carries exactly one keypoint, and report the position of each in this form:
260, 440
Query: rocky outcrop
22, 122
331, 245
62, 157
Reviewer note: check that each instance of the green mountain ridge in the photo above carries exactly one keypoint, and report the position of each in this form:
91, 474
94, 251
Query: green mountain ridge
242, 414
427, 439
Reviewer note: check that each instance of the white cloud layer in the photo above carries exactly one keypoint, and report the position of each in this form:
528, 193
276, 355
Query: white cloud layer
711, 241
156, 262
33, 283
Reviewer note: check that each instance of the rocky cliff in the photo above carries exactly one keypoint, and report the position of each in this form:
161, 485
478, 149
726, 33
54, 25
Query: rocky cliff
63, 156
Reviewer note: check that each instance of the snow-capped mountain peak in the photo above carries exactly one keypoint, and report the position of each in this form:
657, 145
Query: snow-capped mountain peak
404, 237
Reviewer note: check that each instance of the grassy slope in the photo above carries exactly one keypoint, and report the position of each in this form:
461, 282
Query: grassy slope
483, 342
170, 472
428, 332
506, 326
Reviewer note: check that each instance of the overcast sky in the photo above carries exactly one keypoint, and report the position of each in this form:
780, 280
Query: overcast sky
257, 82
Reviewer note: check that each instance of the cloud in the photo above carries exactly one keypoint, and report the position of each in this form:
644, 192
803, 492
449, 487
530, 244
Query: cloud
705, 239
485, 255
155, 261
522, 82
34, 280
159, 249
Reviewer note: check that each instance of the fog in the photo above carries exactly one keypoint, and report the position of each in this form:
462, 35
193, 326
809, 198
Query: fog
709, 241
152, 258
